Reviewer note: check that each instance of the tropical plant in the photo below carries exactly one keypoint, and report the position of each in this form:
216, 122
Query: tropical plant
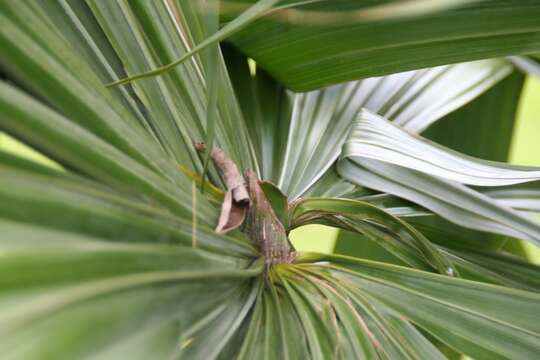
136, 241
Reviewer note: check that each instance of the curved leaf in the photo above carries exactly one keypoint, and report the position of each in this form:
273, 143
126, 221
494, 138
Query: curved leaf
526, 64
521, 198
112, 255
373, 137
298, 143
310, 55
447, 198
361, 217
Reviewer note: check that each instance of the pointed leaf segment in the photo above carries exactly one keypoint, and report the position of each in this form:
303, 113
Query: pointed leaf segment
244, 19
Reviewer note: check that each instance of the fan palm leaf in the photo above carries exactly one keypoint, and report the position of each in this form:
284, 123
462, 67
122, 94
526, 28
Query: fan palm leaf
112, 252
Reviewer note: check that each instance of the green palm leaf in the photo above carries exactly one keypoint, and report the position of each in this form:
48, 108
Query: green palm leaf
111, 252
392, 170
307, 54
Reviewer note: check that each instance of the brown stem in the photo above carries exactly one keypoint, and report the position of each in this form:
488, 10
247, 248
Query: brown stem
261, 224
263, 227
236, 201
231, 175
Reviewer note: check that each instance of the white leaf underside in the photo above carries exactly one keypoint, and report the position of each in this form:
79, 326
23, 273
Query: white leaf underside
373, 137
322, 119
385, 157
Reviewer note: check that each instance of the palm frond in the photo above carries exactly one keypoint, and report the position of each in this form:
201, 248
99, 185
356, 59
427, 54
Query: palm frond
111, 254
306, 55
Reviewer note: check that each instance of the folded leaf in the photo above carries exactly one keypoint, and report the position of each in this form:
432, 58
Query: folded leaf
525, 64
381, 156
361, 217
373, 137
317, 123
521, 198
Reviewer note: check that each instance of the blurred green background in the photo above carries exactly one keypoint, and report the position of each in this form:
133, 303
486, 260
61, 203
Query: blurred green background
525, 150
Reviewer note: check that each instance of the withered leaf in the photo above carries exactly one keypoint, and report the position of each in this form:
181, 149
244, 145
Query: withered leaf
236, 202
232, 214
